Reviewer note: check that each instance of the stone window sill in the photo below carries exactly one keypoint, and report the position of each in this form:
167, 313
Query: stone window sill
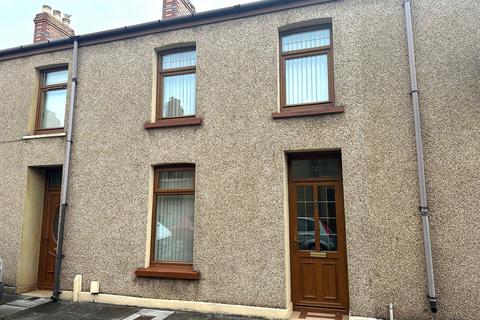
169, 272
293, 112
41, 136
176, 122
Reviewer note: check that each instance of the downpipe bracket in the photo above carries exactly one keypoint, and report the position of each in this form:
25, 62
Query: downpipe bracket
433, 304
423, 211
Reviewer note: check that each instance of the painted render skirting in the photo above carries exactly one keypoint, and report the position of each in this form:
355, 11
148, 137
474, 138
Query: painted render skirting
193, 306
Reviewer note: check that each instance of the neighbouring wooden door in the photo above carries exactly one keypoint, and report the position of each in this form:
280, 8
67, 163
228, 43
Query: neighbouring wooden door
317, 233
51, 209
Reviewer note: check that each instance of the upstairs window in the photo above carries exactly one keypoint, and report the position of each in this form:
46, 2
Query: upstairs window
306, 69
177, 84
52, 101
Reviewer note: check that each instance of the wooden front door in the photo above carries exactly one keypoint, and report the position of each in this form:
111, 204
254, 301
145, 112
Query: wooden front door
317, 234
48, 246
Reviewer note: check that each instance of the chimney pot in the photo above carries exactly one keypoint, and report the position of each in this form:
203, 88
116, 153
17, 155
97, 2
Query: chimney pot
57, 14
47, 9
66, 21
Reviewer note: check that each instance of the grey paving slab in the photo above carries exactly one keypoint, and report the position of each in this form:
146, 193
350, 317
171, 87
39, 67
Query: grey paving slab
224, 317
149, 314
110, 312
46, 308
6, 310
31, 316
6, 298
157, 314
189, 316
62, 315
28, 303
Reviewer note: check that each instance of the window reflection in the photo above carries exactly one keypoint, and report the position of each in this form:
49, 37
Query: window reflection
327, 218
54, 109
305, 218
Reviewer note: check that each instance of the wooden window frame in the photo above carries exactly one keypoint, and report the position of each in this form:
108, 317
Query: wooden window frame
42, 89
161, 121
314, 108
167, 269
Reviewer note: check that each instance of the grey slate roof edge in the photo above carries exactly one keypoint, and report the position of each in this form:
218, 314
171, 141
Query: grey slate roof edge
207, 17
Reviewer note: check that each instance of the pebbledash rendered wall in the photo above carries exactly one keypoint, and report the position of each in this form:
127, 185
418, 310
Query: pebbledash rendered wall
241, 229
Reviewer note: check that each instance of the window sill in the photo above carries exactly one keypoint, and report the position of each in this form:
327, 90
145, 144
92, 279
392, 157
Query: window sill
307, 111
41, 136
178, 122
169, 272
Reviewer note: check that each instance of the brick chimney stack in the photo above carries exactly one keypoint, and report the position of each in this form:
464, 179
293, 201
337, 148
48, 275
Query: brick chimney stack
177, 8
50, 25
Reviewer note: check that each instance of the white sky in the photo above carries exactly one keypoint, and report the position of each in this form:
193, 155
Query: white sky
16, 16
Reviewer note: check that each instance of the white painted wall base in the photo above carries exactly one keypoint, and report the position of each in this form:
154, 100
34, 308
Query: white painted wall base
204, 307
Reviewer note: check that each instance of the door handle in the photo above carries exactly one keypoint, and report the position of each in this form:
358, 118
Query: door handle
316, 254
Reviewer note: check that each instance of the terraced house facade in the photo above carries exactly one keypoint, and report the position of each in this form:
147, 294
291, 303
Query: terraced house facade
251, 160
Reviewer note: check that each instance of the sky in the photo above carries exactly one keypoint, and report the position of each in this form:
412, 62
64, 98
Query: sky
16, 16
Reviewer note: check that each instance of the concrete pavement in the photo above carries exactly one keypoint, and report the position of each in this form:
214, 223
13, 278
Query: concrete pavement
16, 307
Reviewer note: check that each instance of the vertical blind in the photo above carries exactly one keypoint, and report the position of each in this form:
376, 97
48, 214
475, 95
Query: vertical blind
306, 40
179, 60
179, 95
179, 90
174, 228
176, 180
175, 216
306, 77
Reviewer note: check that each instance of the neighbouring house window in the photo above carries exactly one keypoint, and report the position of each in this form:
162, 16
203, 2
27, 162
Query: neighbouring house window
52, 100
306, 67
177, 84
174, 197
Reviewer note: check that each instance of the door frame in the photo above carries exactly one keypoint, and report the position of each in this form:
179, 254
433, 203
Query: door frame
49, 191
291, 185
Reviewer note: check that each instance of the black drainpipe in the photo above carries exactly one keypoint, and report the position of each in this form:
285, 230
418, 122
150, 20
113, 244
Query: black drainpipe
66, 165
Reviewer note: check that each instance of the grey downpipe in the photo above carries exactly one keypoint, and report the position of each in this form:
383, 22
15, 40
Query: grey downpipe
432, 297
1, 278
66, 167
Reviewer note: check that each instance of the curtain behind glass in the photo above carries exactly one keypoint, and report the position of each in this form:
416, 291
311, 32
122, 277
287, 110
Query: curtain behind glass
179, 95
174, 230
306, 79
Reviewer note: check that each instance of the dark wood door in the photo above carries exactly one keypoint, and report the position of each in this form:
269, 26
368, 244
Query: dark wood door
318, 250
51, 209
